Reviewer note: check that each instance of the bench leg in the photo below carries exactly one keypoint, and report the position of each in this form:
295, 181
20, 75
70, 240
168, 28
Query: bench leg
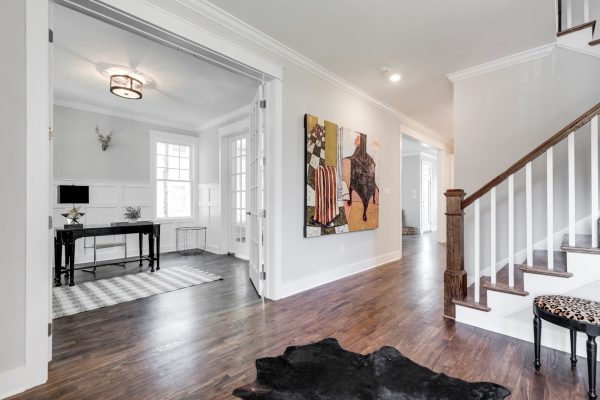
573, 347
537, 337
591, 357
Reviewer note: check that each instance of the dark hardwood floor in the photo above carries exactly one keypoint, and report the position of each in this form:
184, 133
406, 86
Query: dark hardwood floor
201, 342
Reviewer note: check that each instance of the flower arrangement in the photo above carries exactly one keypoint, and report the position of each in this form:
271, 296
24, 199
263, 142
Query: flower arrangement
133, 213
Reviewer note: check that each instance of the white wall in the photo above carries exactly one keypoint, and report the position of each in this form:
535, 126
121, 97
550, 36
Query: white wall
118, 177
524, 105
411, 190
13, 180
310, 262
78, 153
24, 176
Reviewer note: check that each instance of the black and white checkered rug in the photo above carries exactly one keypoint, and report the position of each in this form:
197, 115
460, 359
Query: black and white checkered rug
69, 300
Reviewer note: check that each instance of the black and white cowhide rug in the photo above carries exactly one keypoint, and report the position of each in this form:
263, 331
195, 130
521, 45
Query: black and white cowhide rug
325, 371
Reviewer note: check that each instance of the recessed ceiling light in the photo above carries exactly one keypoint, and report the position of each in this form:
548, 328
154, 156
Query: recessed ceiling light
395, 77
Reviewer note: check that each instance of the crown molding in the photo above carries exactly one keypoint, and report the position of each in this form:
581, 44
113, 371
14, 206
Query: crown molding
501, 63
234, 24
121, 114
245, 110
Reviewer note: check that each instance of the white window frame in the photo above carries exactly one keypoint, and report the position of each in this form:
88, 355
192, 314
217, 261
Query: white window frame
178, 139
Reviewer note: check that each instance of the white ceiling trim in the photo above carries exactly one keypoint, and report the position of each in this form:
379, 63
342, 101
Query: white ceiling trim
245, 110
501, 63
225, 19
121, 114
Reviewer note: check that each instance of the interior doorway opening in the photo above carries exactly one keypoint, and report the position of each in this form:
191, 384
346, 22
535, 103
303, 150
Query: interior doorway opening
420, 183
179, 155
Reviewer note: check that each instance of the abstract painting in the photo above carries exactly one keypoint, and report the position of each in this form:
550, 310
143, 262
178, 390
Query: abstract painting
341, 192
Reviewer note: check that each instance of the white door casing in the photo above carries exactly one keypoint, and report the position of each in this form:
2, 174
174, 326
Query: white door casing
426, 182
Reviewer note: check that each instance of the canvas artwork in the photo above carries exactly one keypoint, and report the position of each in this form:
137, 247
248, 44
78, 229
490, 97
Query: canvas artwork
341, 192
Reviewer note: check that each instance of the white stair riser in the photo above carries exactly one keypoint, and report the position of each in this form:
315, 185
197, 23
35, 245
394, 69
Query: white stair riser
512, 315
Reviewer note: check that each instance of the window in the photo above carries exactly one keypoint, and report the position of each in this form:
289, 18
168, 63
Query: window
173, 178
237, 176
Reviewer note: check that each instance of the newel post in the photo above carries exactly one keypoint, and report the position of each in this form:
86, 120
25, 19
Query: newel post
455, 277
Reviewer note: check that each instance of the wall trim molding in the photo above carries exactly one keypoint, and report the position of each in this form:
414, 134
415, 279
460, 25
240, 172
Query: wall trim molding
224, 118
311, 282
77, 105
236, 25
587, 52
501, 63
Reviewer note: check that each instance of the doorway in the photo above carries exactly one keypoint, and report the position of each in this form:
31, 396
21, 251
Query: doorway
419, 187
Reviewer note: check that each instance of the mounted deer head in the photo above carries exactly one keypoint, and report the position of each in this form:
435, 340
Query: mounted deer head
104, 139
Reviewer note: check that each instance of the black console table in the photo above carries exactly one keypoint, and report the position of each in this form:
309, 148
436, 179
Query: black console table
67, 236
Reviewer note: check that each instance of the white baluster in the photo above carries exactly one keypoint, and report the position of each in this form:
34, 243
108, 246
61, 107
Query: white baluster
571, 162
529, 213
476, 248
569, 13
511, 231
586, 10
550, 206
493, 234
594, 177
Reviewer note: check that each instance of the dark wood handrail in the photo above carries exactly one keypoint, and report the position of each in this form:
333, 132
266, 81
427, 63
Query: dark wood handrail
535, 153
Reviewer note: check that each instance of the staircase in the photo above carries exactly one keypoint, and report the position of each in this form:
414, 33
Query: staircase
576, 27
500, 298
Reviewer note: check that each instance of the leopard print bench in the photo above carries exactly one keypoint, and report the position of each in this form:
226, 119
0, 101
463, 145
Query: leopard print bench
575, 314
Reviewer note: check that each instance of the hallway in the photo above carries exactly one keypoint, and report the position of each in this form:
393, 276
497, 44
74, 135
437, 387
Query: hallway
164, 347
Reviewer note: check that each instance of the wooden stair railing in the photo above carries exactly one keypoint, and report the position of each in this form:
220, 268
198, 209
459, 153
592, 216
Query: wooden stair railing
455, 276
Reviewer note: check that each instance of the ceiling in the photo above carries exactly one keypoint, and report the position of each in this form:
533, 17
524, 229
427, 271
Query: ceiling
184, 91
413, 146
422, 40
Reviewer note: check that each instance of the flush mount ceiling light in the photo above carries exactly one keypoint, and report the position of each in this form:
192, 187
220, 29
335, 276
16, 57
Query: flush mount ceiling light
392, 76
126, 86
395, 77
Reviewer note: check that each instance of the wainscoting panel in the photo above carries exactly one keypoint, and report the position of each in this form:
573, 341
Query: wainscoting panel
108, 202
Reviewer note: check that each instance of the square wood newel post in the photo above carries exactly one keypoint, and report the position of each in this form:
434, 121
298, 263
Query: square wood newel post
455, 277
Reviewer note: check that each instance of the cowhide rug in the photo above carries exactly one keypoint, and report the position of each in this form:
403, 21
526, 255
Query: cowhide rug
325, 371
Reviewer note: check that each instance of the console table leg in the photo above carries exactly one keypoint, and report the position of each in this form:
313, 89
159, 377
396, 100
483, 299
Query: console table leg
151, 250
70, 248
157, 251
537, 337
141, 243
573, 347
591, 357
57, 262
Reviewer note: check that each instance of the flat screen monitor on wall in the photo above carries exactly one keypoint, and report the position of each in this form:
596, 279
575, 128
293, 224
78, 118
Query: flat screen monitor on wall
72, 194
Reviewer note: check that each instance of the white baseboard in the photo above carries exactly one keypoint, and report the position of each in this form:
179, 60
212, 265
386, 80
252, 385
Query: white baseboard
313, 281
18, 380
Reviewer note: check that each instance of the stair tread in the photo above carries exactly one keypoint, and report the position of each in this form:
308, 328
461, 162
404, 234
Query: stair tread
583, 244
504, 288
471, 303
576, 28
594, 42
540, 264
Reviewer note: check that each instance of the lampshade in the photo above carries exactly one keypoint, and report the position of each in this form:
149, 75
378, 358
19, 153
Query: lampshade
125, 86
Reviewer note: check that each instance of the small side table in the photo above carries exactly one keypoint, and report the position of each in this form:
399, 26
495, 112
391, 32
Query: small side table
190, 240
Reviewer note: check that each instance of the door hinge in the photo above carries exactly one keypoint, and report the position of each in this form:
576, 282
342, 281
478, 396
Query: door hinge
262, 213
263, 274
262, 104
264, 160
49, 329
50, 222
50, 36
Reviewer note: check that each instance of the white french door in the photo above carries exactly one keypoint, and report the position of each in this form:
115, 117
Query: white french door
238, 186
256, 212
